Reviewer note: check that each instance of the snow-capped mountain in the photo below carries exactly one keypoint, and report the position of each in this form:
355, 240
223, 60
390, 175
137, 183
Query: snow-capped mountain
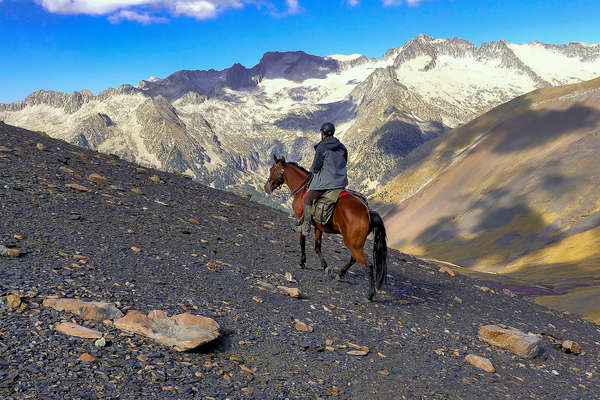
221, 127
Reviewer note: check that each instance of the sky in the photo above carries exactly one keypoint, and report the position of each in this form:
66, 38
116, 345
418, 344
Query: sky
69, 45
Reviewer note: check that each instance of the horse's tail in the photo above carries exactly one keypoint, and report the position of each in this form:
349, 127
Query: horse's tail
379, 249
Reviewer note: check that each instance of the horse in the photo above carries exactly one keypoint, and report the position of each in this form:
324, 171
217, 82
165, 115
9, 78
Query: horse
351, 218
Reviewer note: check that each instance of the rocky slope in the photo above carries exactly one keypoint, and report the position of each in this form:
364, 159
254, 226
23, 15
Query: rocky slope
144, 239
513, 192
221, 127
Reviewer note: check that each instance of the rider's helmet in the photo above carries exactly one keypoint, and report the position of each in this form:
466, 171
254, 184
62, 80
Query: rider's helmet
328, 129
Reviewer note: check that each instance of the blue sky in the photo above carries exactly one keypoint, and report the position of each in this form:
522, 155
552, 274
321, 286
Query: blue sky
69, 45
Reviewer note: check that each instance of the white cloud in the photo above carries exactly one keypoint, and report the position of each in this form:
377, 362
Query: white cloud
353, 3
142, 18
293, 6
137, 10
399, 2
201, 9
91, 7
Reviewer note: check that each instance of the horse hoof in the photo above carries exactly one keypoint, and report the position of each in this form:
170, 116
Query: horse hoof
329, 273
370, 295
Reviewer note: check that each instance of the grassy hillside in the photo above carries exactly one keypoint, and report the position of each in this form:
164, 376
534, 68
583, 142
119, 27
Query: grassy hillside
513, 192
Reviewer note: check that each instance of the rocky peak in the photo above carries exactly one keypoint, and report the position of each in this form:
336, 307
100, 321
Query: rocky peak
428, 46
294, 65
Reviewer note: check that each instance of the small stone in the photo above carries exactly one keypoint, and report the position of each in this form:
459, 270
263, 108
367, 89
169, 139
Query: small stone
444, 269
100, 342
72, 329
357, 347
194, 221
289, 277
135, 249
6, 252
269, 226
18, 237
301, 326
87, 357
40, 147
78, 187
137, 191
484, 289
12, 301
142, 357
98, 179
257, 299
571, 347
292, 292
357, 353
155, 178
480, 362
508, 292
457, 299
246, 369
384, 372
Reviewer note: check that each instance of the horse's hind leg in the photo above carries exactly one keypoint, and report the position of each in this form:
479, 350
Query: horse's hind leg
346, 267
303, 250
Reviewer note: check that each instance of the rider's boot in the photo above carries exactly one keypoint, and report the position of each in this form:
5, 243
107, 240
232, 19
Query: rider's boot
305, 228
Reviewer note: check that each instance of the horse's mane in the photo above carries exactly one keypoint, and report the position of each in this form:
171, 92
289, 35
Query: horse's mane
299, 166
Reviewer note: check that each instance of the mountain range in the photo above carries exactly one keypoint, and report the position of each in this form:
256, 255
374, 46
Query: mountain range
221, 127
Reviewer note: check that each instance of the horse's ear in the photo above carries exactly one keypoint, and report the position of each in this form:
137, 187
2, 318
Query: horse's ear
283, 159
275, 158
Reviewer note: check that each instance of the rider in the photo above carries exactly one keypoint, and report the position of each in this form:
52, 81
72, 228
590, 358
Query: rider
328, 169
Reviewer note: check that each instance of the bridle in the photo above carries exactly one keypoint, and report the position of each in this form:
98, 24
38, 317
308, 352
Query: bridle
280, 181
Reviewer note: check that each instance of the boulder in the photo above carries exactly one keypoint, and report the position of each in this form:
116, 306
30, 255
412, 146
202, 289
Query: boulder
71, 329
88, 310
182, 332
480, 362
526, 345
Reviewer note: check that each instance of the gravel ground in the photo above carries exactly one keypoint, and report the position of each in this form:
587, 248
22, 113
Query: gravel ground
418, 330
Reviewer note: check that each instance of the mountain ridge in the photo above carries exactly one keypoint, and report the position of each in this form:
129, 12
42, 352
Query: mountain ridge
234, 118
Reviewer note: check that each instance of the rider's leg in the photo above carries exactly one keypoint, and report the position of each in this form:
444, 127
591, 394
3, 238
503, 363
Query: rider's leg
311, 196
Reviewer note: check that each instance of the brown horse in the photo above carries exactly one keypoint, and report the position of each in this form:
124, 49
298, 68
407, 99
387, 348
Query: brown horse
352, 218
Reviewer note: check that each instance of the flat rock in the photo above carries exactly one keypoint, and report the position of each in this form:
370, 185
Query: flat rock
292, 292
88, 310
78, 187
98, 179
182, 332
72, 329
87, 357
447, 271
524, 345
480, 362
6, 252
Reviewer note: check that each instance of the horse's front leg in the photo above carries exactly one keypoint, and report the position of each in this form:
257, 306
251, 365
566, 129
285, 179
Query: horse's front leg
303, 250
318, 241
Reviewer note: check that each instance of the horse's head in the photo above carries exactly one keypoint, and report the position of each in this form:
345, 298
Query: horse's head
275, 179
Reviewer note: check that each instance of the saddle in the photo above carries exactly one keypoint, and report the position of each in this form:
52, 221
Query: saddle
324, 206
